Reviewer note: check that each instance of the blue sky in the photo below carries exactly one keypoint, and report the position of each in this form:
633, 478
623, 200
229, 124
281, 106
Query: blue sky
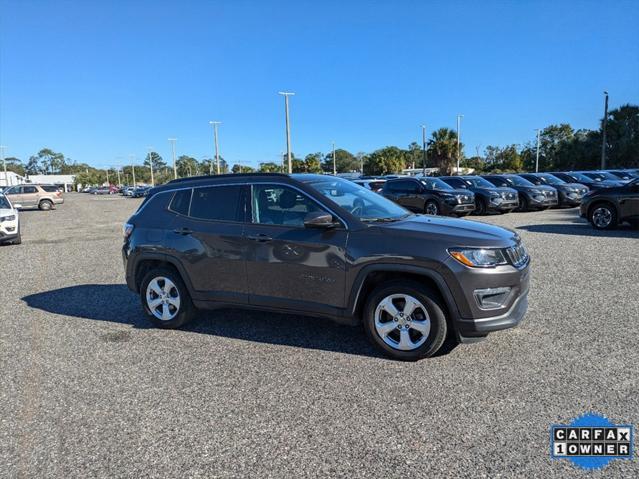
99, 81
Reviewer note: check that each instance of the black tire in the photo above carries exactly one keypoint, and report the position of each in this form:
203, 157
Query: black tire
45, 205
431, 208
480, 206
523, 204
432, 306
600, 209
181, 315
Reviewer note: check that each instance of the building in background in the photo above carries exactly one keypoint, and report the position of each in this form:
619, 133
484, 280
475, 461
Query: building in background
63, 181
10, 178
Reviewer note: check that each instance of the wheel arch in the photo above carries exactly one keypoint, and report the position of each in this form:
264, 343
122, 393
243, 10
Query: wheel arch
369, 277
602, 201
148, 262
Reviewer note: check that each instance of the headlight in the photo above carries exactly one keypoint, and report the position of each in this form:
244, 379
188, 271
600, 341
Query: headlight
7, 218
478, 257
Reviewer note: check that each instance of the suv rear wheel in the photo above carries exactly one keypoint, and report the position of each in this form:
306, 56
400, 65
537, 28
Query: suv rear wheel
45, 205
165, 299
405, 320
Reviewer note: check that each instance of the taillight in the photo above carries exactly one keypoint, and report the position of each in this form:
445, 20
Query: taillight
127, 229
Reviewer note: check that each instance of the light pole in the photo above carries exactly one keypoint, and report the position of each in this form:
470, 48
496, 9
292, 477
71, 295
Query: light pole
151, 164
217, 155
424, 150
605, 124
459, 117
4, 165
537, 159
172, 141
117, 170
108, 182
132, 158
334, 162
288, 130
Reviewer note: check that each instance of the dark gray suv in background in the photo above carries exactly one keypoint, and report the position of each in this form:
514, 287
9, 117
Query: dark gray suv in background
321, 245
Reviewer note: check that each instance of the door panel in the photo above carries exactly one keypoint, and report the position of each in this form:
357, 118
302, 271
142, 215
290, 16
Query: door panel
296, 265
288, 265
212, 251
629, 202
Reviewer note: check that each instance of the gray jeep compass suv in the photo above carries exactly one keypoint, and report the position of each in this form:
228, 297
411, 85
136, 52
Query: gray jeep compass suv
322, 245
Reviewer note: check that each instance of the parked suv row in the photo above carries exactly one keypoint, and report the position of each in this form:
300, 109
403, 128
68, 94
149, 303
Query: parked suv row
429, 195
322, 245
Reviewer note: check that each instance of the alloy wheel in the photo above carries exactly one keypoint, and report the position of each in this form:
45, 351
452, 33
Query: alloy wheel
602, 217
432, 209
402, 322
163, 298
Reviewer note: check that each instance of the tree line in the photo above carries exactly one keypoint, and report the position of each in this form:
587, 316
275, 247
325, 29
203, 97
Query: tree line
561, 147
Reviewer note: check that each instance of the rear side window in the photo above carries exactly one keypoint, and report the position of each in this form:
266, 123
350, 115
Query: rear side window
218, 203
180, 202
49, 188
29, 189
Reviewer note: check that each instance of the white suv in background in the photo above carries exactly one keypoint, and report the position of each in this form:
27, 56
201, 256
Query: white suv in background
9, 222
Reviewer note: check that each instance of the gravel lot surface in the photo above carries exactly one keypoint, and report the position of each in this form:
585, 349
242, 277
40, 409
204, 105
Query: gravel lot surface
87, 389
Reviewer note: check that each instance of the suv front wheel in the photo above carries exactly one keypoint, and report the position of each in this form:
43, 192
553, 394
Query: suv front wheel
405, 320
603, 216
165, 299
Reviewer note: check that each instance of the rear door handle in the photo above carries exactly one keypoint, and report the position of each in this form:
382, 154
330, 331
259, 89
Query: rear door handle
261, 238
183, 231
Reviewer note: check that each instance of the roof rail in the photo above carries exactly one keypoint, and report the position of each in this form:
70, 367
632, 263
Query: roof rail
226, 175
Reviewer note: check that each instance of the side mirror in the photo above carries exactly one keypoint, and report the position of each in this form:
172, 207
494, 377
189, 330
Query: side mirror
17, 206
319, 219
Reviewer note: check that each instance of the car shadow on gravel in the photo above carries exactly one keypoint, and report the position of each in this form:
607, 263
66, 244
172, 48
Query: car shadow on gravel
582, 229
115, 303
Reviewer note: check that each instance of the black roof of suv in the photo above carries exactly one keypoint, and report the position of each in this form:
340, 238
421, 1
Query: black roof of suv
322, 245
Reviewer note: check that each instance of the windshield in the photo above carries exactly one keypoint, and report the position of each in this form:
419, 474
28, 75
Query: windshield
518, 181
435, 184
550, 179
601, 176
4, 203
624, 175
357, 200
479, 182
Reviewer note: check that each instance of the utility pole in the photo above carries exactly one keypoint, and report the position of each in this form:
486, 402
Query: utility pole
108, 182
288, 130
132, 157
4, 165
173, 140
117, 169
334, 162
459, 117
537, 159
424, 150
217, 154
151, 164
605, 124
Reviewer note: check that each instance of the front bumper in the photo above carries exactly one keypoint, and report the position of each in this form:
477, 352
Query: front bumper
457, 209
546, 202
9, 230
471, 330
508, 205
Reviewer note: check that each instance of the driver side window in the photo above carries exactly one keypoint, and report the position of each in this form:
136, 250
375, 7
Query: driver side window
281, 205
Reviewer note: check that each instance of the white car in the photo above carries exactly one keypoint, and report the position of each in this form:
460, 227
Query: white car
9, 222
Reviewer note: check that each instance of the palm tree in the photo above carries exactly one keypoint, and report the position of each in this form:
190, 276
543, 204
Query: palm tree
442, 149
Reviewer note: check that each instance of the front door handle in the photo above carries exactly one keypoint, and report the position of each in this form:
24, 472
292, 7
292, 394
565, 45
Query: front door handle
183, 231
261, 238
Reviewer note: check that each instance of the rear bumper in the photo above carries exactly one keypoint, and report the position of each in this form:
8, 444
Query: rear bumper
471, 330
